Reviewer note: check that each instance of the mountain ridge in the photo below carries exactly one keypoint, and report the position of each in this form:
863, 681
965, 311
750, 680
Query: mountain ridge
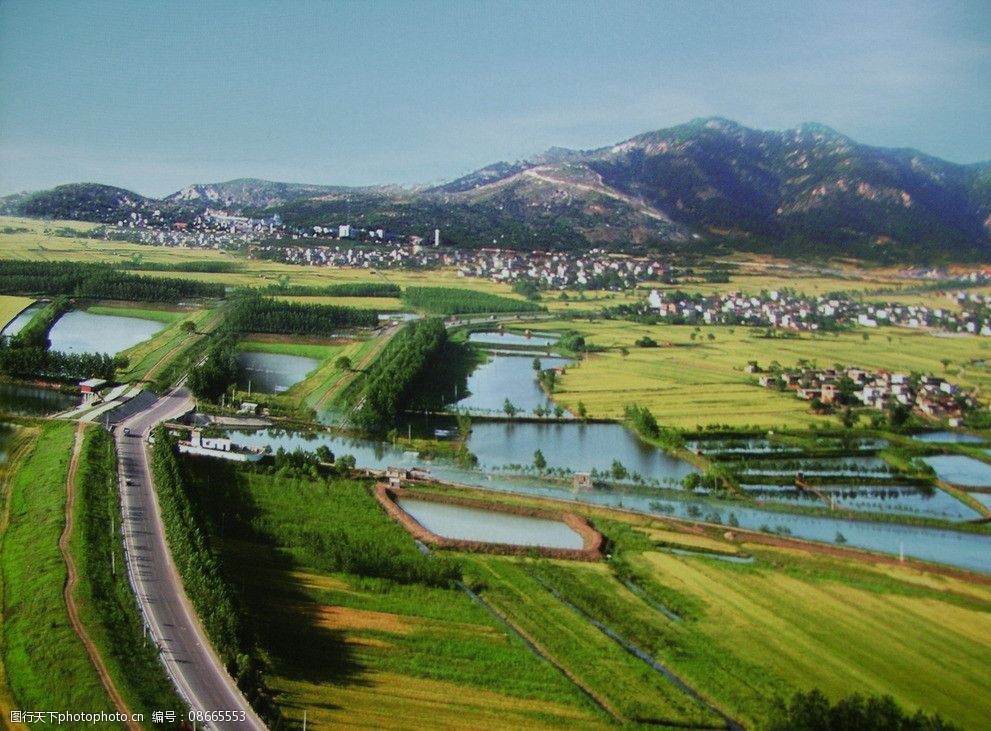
709, 179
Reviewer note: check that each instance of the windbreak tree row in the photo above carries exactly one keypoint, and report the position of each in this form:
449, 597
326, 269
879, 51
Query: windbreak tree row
453, 301
102, 281
262, 315
389, 385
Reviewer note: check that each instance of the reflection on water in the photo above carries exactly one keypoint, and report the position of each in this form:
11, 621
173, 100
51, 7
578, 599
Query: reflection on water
24, 400
966, 550
272, 372
497, 339
508, 377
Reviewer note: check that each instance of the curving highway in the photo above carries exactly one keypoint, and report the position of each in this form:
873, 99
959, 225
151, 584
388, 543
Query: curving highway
187, 654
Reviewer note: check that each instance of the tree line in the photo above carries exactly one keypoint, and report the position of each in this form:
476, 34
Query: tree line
212, 597
348, 289
453, 301
98, 281
263, 315
388, 387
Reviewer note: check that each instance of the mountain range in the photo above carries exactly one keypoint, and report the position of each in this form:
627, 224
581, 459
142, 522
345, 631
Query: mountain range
709, 184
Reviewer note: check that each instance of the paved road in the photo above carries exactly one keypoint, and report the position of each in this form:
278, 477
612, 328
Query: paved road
191, 661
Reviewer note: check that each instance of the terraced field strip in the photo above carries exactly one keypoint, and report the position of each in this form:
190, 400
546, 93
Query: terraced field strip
72, 578
617, 679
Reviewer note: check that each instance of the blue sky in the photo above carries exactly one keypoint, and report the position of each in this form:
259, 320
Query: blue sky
155, 95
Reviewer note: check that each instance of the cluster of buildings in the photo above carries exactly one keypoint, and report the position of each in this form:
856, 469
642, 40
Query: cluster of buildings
595, 269
927, 395
213, 229
789, 310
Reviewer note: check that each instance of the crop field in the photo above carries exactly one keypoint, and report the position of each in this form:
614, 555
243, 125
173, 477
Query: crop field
689, 381
44, 670
10, 307
748, 633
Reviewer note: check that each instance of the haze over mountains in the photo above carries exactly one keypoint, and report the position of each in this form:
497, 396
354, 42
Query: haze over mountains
710, 183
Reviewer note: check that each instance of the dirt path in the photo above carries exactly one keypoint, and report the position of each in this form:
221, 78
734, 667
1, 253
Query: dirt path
72, 578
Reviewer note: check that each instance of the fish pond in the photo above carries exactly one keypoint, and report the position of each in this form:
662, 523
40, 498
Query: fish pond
896, 499
960, 470
85, 332
949, 437
497, 339
272, 372
965, 550
475, 524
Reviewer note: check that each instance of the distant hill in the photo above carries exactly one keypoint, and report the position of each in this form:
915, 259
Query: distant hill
710, 184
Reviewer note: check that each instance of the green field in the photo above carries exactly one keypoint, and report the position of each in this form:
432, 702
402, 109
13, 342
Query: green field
689, 381
142, 313
358, 625
45, 665
10, 307
359, 632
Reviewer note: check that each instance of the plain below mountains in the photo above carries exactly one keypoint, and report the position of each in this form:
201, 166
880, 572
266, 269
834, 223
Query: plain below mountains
709, 185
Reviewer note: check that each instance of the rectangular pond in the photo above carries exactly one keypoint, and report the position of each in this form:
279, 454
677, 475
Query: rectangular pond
895, 499
508, 377
960, 470
573, 447
475, 524
815, 467
497, 339
272, 372
84, 332
949, 437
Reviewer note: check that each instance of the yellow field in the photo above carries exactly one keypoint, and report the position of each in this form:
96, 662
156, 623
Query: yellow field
702, 381
831, 635
10, 307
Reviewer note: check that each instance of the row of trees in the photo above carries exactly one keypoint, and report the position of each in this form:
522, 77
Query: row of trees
451, 301
218, 372
39, 362
35, 333
388, 387
262, 315
349, 289
103, 281
211, 595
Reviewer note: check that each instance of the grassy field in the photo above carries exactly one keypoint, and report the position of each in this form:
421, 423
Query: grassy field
701, 381
142, 313
350, 644
290, 346
45, 664
354, 647
10, 307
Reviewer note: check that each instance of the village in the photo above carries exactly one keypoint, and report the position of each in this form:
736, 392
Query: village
792, 311
826, 388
